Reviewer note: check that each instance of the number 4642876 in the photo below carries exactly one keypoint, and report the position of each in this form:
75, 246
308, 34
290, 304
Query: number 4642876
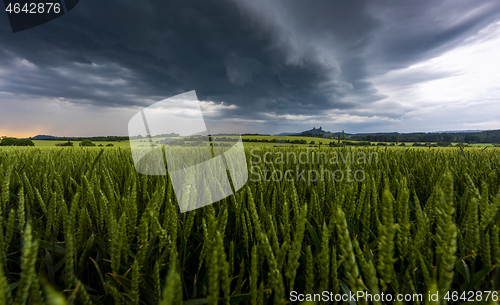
471, 296
33, 8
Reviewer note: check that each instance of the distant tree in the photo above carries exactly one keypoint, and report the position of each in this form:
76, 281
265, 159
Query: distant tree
26, 142
86, 143
109, 145
312, 142
448, 138
16, 142
9, 142
443, 144
473, 138
65, 144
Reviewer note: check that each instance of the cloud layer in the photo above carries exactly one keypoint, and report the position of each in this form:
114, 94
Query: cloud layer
271, 62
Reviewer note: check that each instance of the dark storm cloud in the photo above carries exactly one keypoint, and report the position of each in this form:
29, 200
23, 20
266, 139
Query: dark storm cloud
73, 79
416, 30
221, 49
79, 59
266, 57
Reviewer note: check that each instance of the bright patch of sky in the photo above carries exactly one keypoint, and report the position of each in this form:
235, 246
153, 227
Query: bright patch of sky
457, 90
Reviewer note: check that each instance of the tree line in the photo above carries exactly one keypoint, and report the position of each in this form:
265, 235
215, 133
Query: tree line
490, 136
16, 142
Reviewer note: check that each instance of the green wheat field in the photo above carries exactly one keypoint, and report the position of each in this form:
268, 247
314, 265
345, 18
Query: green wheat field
81, 226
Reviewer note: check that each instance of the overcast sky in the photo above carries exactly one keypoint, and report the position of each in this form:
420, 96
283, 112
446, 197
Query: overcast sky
257, 65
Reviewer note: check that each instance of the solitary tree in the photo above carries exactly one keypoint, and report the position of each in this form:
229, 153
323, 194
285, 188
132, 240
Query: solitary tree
69, 143
86, 142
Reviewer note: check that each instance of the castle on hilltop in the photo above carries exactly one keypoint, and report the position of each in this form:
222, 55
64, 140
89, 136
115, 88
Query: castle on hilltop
314, 131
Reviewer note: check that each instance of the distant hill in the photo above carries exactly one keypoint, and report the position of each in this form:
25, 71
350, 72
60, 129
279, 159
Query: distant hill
45, 137
102, 138
286, 134
319, 133
314, 131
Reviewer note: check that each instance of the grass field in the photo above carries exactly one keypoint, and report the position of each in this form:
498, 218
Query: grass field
308, 139
325, 142
125, 144
52, 143
81, 226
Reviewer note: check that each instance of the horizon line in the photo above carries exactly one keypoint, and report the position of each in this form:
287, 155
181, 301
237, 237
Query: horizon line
278, 134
